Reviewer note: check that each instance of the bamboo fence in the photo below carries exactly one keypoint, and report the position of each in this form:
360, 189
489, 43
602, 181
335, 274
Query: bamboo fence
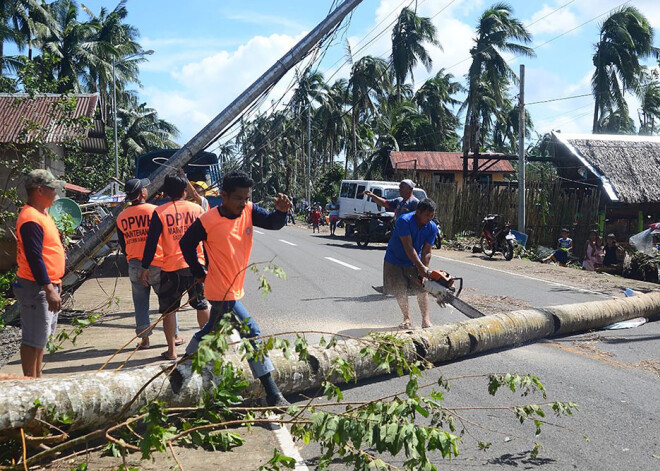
549, 208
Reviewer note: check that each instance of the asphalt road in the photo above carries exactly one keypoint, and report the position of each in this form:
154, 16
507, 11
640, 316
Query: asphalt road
614, 376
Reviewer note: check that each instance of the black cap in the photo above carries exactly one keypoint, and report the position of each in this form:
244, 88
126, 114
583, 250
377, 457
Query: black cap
134, 186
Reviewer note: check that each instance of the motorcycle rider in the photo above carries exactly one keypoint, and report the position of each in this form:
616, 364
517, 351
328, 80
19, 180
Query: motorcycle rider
406, 203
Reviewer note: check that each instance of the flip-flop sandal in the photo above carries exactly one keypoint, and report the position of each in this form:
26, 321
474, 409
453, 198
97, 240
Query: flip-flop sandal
142, 346
180, 341
165, 356
405, 326
427, 326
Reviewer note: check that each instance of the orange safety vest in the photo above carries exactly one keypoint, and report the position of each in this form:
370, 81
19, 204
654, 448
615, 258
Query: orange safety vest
228, 245
53, 251
176, 217
133, 222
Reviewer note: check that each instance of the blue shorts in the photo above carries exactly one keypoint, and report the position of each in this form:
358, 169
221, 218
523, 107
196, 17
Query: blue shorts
561, 255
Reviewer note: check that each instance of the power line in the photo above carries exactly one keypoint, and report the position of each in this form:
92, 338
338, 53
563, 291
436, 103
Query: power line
558, 99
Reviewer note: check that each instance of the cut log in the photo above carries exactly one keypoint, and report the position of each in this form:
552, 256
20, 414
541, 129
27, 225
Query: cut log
95, 399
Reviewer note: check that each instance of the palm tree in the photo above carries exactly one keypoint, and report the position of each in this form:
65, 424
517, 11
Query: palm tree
369, 76
20, 21
143, 131
625, 37
616, 121
506, 128
115, 41
497, 32
408, 37
311, 89
71, 42
332, 122
434, 99
649, 97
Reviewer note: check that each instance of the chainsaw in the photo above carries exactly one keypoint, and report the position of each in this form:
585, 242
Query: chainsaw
441, 285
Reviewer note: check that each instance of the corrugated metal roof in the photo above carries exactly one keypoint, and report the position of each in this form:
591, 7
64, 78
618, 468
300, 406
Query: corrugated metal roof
76, 188
441, 162
24, 119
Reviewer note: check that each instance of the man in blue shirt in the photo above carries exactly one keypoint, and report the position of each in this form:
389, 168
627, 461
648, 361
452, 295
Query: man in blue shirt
406, 203
407, 259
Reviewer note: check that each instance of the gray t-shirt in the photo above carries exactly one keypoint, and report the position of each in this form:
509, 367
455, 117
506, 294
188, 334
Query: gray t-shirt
402, 207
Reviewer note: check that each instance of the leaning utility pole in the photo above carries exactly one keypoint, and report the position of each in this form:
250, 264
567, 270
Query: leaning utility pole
521, 152
96, 239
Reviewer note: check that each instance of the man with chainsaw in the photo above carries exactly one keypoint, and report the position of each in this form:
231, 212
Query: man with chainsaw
407, 260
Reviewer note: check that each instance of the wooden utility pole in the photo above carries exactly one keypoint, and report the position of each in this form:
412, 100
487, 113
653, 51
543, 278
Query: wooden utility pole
521, 152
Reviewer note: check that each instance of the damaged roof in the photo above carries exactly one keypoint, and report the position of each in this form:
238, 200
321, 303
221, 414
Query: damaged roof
24, 119
443, 162
627, 166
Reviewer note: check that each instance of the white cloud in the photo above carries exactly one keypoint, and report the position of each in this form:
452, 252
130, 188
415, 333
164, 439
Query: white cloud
207, 86
548, 21
253, 17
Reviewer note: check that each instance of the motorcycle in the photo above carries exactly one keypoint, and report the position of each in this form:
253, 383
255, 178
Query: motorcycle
372, 228
440, 235
496, 239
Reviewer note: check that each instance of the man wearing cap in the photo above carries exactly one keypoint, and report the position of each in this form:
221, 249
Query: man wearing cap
168, 224
406, 203
40, 257
132, 228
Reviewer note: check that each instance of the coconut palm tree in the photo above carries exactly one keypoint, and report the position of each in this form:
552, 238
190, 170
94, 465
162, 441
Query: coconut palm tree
409, 35
435, 99
71, 41
20, 22
625, 37
649, 97
141, 131
332, 122
369, 78
114, 41
497, 32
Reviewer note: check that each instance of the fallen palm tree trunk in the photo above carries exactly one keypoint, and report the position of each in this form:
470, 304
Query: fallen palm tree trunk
96, 399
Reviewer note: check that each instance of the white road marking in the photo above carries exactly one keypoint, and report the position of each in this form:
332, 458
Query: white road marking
287, 242
352, 267
286, 444
573, 288
258, 232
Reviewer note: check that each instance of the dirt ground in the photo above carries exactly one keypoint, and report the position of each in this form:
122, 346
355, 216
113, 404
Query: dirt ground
600, 282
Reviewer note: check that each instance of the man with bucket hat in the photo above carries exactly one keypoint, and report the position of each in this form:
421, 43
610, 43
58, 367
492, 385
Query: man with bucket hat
41, 261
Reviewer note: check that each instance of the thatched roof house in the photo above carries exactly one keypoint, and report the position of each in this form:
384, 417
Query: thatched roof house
627, 168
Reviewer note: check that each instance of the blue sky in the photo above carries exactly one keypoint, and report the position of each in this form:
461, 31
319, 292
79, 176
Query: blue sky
207, 52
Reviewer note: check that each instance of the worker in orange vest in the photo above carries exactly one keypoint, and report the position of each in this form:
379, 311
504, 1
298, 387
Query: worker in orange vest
227, 235
132, 228
168, 224
40, 257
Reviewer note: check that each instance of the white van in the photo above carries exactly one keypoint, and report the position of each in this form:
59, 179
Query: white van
353, 204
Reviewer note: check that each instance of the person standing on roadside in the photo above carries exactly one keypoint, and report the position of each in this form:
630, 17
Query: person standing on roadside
333, 212
41, 262
168, 224
132, 228
407, 260
227, 232
406, 203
